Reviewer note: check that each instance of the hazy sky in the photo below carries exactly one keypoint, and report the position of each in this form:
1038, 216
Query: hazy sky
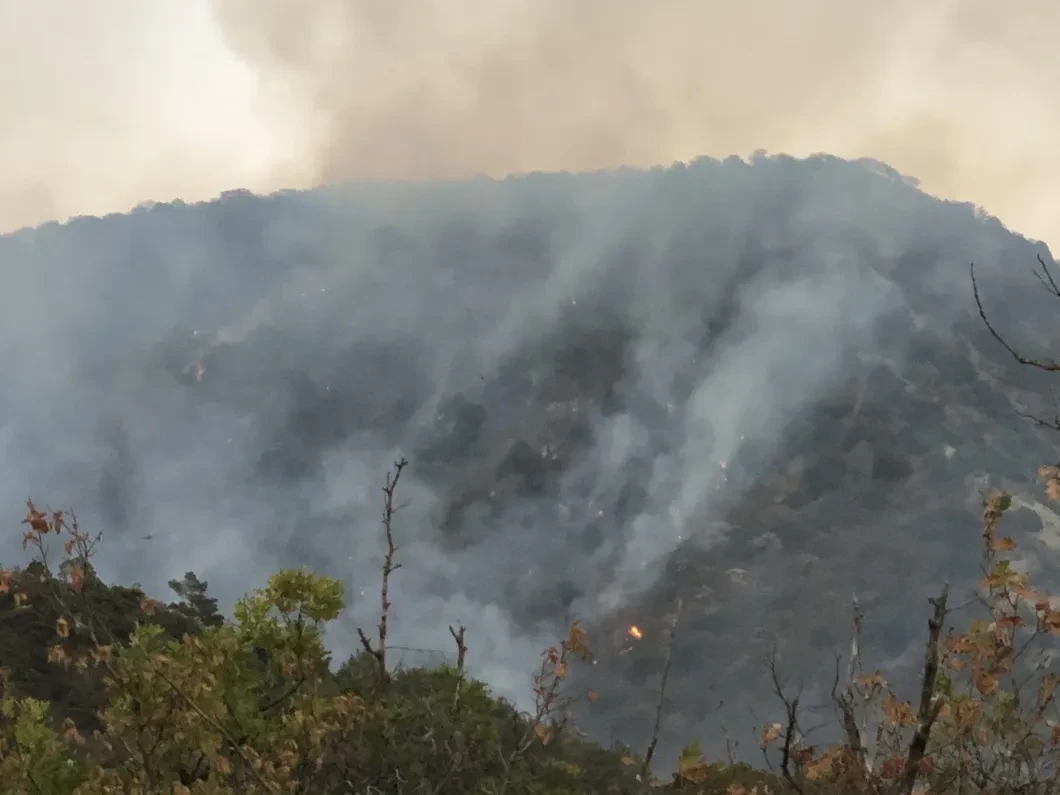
109, 103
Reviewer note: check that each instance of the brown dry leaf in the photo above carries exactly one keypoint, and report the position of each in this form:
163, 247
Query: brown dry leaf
985, 682
542, 734
56, 654
803, 755
1051, 621
1003, 544
71, 734
692, 765
892, 768
967, 714
955, 664
1054, 732
1046, 688
1052, 481
696, 773
897, 713
62, 627
825, 766
592, 696
35, 519
628, 760
578, 641
1027, 594
770, 733
1011, 621
926, 766
559, 670
870, 681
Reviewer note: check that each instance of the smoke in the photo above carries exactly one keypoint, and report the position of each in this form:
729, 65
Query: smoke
666, 320
567, 360
153, 101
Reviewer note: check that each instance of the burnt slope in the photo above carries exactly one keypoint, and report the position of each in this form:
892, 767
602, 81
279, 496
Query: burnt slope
758, 386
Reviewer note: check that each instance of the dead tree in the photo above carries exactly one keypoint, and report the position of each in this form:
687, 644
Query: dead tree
378, 651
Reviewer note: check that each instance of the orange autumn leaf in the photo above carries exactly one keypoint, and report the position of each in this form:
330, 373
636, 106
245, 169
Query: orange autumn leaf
897, 713
1003, 544
1052, 481
770, 733
892, 768
985, 682
577, 641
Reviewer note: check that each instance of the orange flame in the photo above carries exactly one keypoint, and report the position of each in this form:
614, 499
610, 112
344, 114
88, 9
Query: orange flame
634, 632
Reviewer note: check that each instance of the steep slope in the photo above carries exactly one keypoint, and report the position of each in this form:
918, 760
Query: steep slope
757, 386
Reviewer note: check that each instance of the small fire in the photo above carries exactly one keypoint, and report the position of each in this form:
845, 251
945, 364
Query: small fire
634, 632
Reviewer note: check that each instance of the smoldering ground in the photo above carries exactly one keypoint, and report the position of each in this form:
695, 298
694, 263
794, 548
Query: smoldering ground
589, 373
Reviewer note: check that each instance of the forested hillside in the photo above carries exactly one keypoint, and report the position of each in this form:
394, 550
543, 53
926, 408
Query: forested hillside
693, 412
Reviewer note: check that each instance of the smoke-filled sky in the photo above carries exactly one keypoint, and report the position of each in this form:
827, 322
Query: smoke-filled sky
110, 103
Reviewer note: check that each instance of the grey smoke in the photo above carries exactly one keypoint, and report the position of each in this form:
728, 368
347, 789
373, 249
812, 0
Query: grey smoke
667, 320
186, 98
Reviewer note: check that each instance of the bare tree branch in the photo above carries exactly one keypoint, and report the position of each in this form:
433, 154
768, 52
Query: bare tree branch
791, 725
671, 635
389, 567
1046, 278
1041, 364
929, 704
461, 647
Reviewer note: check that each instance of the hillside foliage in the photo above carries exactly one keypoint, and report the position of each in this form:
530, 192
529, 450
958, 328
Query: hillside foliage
106, 690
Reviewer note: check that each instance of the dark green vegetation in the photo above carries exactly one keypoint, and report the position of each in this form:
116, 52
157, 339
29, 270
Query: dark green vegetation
105, 690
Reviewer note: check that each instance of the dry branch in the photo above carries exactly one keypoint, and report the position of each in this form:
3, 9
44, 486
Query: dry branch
790, 728
670, 636
929, 704
1041, 364
461, 647
389, 567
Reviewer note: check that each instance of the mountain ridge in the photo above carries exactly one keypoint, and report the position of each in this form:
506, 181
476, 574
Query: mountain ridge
718, 381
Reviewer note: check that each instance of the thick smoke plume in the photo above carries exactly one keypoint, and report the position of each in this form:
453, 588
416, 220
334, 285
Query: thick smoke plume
111, 103
588, 372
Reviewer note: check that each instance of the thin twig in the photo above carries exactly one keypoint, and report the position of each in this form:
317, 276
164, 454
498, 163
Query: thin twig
1041, 364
